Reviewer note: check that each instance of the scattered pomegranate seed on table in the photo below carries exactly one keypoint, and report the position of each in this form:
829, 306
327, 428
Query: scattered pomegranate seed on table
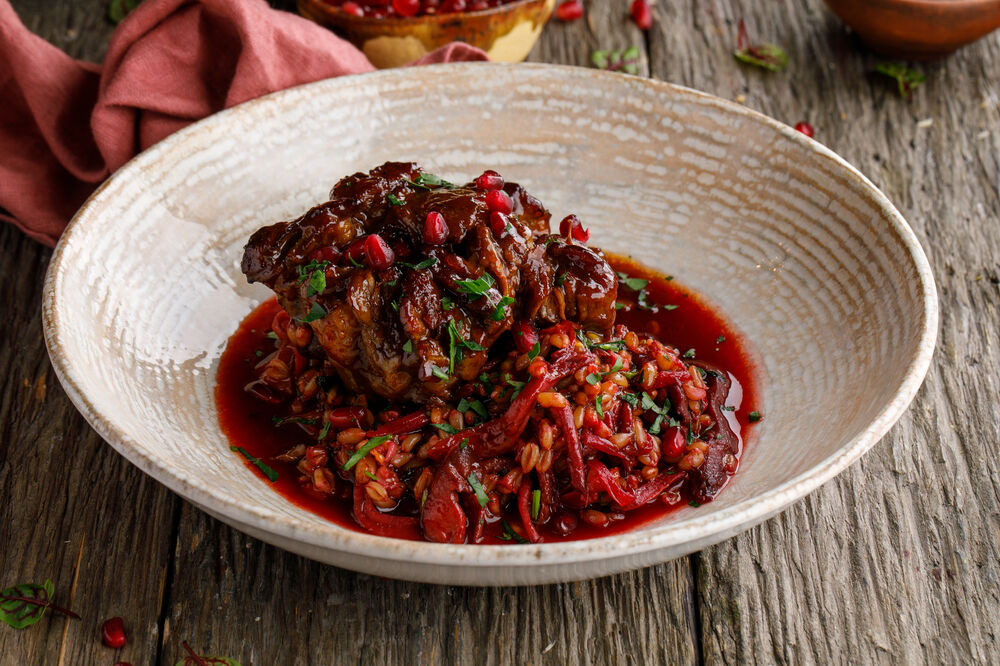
113, 633
642, 14
805, 128
122, 663
435, 229
570, 10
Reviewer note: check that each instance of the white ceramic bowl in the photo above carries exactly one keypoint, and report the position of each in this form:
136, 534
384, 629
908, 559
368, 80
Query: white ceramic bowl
808, 259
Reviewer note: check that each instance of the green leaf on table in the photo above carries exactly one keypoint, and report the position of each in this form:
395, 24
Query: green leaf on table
23, 605
906, 79
626, 60
768, 56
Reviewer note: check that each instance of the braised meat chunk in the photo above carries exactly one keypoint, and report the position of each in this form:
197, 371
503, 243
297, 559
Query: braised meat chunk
405, 281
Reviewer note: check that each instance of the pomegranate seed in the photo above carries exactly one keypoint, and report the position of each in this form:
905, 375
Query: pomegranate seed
327, 253
435, 229
565, 523
352, 8
805, 128
642, 14
343, 418
525, 336
356, 251
498, 223
499, 201
570, 10
452, 6
380, 256
674, 444
490, 180
406, 7
113, 633
571, 225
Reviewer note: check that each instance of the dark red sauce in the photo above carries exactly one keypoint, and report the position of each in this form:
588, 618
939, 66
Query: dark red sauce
692, 325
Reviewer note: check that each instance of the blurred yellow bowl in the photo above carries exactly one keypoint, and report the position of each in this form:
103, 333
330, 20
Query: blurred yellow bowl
506, 33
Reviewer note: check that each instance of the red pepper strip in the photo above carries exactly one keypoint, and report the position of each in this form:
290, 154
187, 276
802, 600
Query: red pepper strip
374, 520
592, 441
577, 475
524, 508
667, 377
647, 493
608, 482
404, 424
442, 517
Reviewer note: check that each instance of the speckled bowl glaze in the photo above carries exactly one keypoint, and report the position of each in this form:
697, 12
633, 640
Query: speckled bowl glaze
795, 246
506, 33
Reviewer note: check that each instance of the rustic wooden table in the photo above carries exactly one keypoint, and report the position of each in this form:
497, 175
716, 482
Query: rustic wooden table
896, 561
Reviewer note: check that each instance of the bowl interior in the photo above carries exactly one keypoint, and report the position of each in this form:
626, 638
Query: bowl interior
804, 256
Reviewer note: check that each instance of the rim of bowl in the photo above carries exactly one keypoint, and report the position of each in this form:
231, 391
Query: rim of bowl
333, 13
697, 531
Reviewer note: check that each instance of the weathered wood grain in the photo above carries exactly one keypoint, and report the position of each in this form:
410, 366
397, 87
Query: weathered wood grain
896, 561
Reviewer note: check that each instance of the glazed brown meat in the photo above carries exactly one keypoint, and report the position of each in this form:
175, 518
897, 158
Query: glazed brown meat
405, 281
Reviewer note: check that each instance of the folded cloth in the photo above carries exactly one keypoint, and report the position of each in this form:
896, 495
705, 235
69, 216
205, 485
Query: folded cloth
65, 125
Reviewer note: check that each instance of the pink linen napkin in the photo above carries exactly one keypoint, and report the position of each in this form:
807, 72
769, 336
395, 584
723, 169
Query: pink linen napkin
65, 125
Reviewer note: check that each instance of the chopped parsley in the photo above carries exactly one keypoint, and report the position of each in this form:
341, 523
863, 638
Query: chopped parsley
306, 270
635, 284
688, 354
455, 344
694, 504
560, 279
426, 181
516, 384
598, 405
439, 373
324, 432
447, 303
594, 378
271, 335
464, 443
445, 428
393, 200
317, 283
754, 416
475, 288
465, 405
371, 476
486, 382
728, 408
510, 535
630, 398
317, 312
271, 475
533, 353
477, 488
426, 263
500, 311
408, 346
277, 421
719, 340
365, 450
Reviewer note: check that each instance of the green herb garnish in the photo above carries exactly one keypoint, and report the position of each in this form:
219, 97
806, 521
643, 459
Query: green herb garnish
365, 450
500, 311
536, 503
271, 475
324, 432
754, 416
510, 535
906, 79
393, 200
23, 605
475, 288
626, 60
598, 405
768, 56
439, 373
447, 303
277, 421
689, 354
317, 312
408, 346
426, 263
464, 443
477, 488
317, 283
635, 284
535, 351
594, 379
445, 428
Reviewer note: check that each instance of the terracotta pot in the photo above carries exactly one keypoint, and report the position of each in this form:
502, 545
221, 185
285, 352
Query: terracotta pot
918, 29
506, 33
